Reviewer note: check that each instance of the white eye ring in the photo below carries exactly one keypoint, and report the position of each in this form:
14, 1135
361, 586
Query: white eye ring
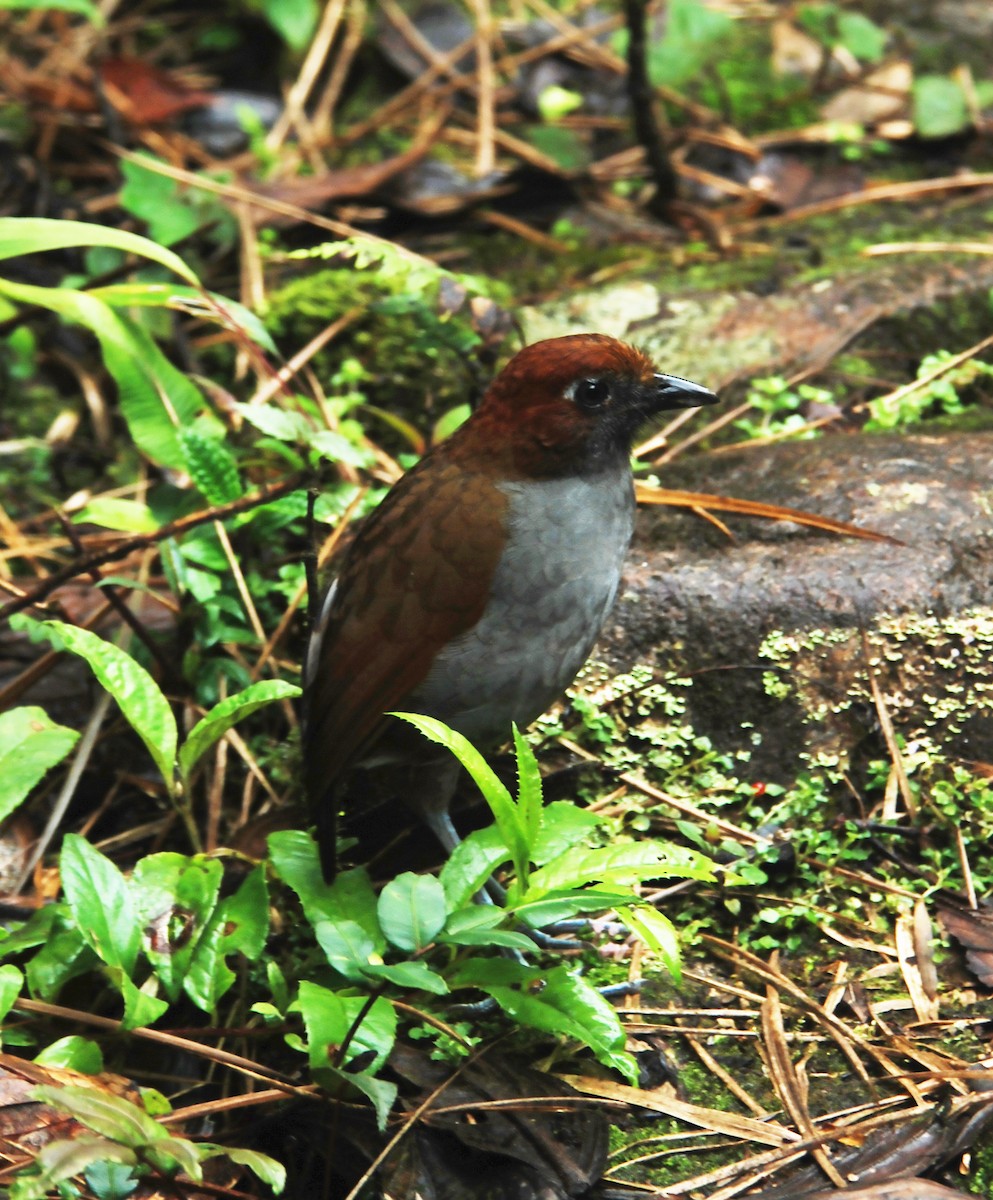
589, 394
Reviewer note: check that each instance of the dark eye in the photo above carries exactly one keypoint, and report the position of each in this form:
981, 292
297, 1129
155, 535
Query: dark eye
591, 393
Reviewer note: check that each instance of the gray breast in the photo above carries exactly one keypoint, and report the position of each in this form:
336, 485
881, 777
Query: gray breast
552, 590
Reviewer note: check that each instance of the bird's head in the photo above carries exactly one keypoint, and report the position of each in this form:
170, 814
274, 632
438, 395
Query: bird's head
571, 405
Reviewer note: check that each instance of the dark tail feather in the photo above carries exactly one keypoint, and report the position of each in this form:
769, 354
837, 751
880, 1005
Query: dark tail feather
326, 822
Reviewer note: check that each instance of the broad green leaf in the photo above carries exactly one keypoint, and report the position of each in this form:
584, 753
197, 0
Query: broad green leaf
295, 860
412, 910
563, 824
136, 692
105, 1113
477, 926
471, 863
294, 20
60, 1161
564, 146
209, 975
175, 898
155, 398
27, 235
381, 1092
112, 1180
349, 946
330, 1018
30, 744
565, 1005
11, 982
74, 1053
657, 932
246, 916
171, 1155
112, 512
64, 956
141, 1007
277, 422
157, 200
336, 447
414, 975
627, 862
861, 36
272, 1173
229, 712
563, 903
940, 107
100, 901
693, 31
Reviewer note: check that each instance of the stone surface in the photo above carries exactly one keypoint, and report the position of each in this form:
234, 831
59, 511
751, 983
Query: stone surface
781, 608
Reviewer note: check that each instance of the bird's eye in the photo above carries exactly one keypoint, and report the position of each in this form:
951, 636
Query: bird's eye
591, 393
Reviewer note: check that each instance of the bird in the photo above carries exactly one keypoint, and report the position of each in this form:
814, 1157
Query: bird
476, 589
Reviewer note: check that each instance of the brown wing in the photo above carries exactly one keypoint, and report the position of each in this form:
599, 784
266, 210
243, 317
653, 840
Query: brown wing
417, 576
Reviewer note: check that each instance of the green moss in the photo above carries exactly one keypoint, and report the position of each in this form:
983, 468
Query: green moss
416, 360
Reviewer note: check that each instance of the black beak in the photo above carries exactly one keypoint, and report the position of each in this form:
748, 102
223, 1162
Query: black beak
674, 392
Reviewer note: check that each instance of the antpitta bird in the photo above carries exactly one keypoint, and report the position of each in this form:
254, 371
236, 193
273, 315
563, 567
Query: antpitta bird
475, 591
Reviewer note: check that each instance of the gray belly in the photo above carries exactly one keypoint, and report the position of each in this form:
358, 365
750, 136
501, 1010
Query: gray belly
552, 591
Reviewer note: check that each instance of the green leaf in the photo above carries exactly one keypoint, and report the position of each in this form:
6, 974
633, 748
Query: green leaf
471, 863
566, 1005
111, 1180
330, 1018
83, 8
158, 201
529, 795
209, 976
141, 1007
940, 107
100, 901
11, 982
211, 466
477, 926
229, 712
64, 956
505, 811
175, 898
277, 422
343, 915
294, 20
74, 1053
563, 824
155, 398
692, 33
136, 692
555, 102
412, 910
271, 1172
565, 147
61, 1160
861, 36
624, 863
246, 916
109, 1115
112, 512
195, 302
657, 932
417, 976
562, 903
30, 744
26, 235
